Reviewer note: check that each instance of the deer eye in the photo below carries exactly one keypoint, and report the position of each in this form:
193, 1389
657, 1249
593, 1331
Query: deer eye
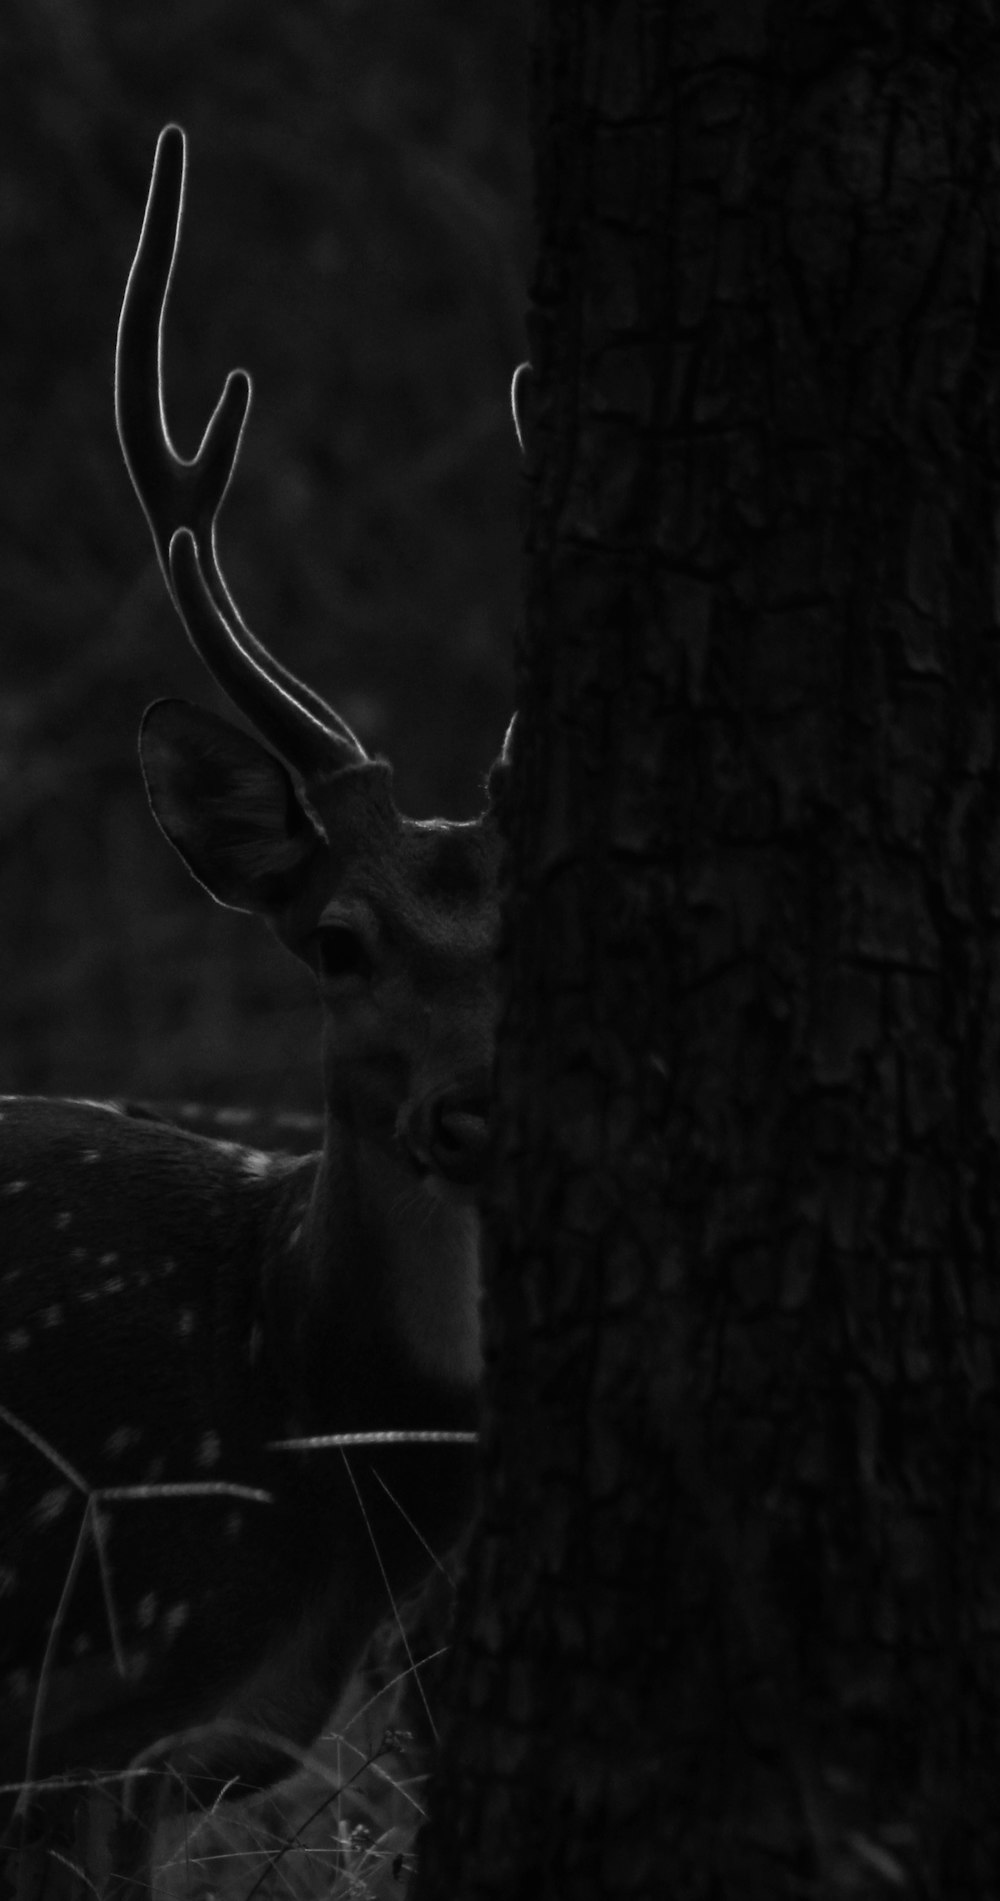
341, 952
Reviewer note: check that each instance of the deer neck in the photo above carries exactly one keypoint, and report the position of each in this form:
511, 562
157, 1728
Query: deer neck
404, 1252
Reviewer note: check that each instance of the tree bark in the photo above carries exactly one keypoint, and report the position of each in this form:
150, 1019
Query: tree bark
730, 1626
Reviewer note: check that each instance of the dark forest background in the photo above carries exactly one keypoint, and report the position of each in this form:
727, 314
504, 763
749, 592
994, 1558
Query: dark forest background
357, 237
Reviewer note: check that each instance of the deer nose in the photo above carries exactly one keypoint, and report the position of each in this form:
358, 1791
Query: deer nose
448, 1132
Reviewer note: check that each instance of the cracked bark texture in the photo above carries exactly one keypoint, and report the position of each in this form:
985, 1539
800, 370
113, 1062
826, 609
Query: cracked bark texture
731, 1626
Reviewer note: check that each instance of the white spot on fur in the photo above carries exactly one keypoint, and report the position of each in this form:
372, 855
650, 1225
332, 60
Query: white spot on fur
52, 1504
14, 1188
53, 1316
136, 1665
115, 1285
209, 1452
91, 1155
63, 1220
176, 1618
108, 1260
255, 1162
186, 1322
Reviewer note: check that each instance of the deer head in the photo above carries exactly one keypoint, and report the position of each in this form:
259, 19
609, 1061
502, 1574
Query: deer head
396, 917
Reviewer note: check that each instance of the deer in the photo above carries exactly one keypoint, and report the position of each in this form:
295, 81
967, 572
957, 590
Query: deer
239, 1389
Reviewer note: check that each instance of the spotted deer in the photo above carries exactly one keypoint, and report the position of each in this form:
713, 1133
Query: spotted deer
189, 1569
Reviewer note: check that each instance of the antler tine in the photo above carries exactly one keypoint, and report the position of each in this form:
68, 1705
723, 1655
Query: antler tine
177, 493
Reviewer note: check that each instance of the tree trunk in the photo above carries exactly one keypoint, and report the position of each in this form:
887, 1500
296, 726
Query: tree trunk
730, 1624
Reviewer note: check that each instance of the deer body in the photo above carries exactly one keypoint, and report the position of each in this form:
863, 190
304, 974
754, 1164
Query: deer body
186, 1578
191, 1360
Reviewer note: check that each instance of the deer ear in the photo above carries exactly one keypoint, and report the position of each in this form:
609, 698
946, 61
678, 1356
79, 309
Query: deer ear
227, 805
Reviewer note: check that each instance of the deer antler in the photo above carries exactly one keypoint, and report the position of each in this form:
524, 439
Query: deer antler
181, 499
